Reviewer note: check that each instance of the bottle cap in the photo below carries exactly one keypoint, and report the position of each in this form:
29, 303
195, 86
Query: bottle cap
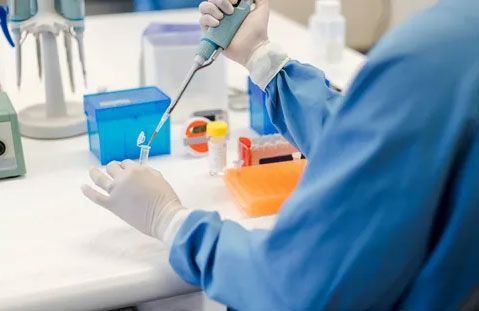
217, 129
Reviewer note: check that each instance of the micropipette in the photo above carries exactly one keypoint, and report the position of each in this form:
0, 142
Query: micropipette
81, 52
68, 48
18, 55
38, 46
213, 43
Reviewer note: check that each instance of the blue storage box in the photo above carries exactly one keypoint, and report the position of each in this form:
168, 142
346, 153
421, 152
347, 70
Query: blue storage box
259, 118
115, 119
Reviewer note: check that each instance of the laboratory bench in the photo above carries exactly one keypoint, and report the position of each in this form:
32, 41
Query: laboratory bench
59, 251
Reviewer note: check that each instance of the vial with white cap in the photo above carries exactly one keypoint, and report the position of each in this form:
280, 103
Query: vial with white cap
328, 31
217, 132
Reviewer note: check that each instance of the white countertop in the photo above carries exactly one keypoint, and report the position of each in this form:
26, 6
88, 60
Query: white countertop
59, 251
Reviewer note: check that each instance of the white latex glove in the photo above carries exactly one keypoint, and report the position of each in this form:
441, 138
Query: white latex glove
140, 196
250, 47
252, 34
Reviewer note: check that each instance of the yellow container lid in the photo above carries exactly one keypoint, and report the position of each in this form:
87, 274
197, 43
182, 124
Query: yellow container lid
217, 129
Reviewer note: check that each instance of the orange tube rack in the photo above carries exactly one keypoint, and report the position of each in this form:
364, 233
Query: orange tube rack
261, 190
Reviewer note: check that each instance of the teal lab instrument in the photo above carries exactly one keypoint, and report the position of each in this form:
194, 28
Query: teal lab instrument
12, 162
211, 46
114, 119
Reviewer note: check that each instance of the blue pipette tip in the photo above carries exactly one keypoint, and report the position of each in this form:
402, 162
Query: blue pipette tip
3, 23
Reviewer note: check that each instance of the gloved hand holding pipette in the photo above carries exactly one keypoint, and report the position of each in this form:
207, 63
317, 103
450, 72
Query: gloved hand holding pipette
251, 47
249, 38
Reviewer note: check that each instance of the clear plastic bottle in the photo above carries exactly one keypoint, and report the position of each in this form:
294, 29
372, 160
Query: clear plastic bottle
217, 132
328, 31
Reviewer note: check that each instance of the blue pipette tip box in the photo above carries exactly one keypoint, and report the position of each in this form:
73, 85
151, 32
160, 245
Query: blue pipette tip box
259, 117
115, 119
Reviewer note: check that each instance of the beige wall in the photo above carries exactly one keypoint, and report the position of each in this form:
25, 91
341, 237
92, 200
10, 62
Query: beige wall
299, 10
362, 16
367, 19
402, 9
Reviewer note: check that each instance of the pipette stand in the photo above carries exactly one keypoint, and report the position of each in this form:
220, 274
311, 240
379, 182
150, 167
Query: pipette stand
56, 118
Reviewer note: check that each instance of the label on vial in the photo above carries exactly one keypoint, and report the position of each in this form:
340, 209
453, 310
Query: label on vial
217, 157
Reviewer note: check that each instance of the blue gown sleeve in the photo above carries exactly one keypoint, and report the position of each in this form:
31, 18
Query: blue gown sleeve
300, 103
358, 228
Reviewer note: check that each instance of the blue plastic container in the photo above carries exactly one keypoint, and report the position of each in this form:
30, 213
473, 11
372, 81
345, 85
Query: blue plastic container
115, 119
259, 117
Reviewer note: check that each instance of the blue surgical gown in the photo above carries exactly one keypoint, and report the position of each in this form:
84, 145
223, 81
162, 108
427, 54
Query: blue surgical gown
387, 213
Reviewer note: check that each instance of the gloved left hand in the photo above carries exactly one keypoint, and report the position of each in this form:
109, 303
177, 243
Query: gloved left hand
140, 196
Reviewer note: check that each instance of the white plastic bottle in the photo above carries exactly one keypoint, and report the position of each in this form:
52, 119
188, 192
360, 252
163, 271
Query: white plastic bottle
328, 31
217, 132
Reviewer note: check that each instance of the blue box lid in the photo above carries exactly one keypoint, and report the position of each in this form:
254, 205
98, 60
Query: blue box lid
126, 103
173, 34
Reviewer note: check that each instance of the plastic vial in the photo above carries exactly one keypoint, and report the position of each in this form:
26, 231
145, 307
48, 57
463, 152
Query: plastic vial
328, 31
144, 154
217, 132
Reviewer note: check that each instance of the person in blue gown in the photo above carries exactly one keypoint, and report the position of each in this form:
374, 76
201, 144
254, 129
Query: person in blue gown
386, 216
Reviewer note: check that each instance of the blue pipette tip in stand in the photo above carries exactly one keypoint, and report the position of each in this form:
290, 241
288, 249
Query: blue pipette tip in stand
3, 24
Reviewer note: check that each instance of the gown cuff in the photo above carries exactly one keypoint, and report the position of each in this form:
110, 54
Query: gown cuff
174, 226
265, 63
